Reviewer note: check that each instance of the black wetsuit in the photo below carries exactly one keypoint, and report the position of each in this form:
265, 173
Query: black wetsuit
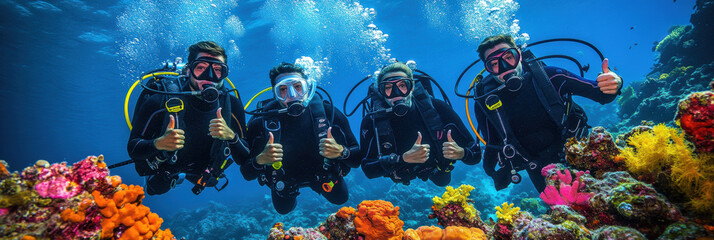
405, 134
150, 122
532, 126
302, 162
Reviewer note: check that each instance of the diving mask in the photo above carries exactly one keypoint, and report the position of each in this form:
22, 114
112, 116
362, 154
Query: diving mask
396, 86
293, 89
502, 60
208, 69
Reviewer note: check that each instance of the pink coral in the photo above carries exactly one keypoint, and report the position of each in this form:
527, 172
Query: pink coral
54, 182
91, 173
569, 193
57, 187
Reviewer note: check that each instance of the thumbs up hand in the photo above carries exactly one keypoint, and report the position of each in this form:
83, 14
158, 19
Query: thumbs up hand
329, 148
609, 82
452, 150
219, 129
419, 153
172, 140
273, 152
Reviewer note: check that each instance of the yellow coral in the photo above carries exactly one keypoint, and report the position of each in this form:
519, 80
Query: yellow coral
663, 76
457, 196
674, 33
665, 148
505, 212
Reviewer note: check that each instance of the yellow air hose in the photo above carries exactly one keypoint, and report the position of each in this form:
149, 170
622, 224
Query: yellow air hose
256, 95
131, 89
468, 115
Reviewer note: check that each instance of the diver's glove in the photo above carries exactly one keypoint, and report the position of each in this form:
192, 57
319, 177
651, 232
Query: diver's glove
388, 162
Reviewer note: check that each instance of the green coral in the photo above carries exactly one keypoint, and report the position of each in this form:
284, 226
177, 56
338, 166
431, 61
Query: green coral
505, 212
456, 196
22, 198
674, 33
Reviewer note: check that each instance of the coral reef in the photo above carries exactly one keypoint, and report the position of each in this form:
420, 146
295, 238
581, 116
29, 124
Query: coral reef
617, 232
696, 118
597, 154
662, 157
684, 65
341, 225
81, 202
681, 231
451, 232
454, 208
294, 233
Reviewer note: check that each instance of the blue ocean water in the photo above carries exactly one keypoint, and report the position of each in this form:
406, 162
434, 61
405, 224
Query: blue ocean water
67, 64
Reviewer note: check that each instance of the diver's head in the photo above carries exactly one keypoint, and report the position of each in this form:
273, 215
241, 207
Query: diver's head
207, 65
395, 83
291, 87
501, 57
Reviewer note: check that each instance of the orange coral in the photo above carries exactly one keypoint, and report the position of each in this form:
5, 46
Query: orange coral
125, 208
345, 212
78, 216
463, 233
450, 233
163, 235
28, 237
379, 219
114, 180
3, 169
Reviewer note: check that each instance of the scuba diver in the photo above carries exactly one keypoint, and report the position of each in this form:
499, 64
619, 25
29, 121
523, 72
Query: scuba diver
525, 111
410, 134
298, 140
196, 141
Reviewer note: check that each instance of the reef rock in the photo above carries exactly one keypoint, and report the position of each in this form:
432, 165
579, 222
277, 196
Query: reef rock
82, 202
685, 65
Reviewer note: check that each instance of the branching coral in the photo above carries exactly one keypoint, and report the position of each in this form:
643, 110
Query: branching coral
664, 154
570, 190
505, 213
454, 208
456, 196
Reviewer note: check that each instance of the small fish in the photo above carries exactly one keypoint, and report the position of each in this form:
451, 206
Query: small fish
635, 44
630, 47
632, 28
615, 68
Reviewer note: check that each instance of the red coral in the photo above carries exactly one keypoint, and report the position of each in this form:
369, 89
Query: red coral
696, 117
